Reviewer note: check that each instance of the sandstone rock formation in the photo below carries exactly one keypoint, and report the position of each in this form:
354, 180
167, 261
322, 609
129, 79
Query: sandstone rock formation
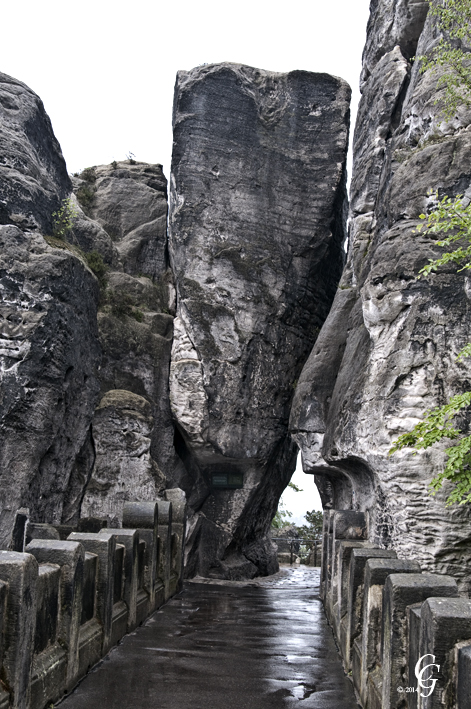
124, 470
256, 232
70, 338
49, 349
33, 175
123, 214
388, 350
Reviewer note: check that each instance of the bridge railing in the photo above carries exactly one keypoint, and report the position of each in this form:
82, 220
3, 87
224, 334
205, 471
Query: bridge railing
391, 619
65, 602
293, 544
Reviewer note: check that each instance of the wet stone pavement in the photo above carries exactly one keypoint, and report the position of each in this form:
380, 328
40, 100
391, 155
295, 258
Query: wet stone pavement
226, 645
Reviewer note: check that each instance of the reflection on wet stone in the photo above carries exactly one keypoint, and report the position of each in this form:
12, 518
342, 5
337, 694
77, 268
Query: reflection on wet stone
263, 644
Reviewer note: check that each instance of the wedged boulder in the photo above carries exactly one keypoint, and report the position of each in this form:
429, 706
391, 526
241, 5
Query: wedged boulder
124, 469
257, 221
397, 355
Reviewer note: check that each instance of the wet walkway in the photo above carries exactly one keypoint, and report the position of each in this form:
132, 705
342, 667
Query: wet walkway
262, 644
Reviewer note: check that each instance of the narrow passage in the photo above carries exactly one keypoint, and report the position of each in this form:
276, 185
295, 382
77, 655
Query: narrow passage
262, 644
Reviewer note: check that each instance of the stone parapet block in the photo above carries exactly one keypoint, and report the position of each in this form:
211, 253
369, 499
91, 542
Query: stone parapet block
349, 524
444, 623
165, 545
20, 571
144, 516
464, 677
40, 530
129, 538
376, 573
69, 556
179, 513
345, 525
140, 515
400, 592
19, 530
104, 546
327, 529
354, 616
4, 697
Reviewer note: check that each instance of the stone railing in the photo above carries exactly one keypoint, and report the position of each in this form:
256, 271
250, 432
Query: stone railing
390, 620
65, 602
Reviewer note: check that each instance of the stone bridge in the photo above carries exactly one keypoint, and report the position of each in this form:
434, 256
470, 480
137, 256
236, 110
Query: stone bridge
67, 603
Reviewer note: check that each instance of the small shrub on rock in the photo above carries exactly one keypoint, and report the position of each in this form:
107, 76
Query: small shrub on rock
96, 264
63, 219
121, 305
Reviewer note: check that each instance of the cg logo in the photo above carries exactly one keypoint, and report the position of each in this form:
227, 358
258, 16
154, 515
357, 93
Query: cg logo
427, 682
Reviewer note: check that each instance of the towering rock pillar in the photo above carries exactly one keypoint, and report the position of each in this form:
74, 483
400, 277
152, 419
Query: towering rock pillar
388, 350
257, 220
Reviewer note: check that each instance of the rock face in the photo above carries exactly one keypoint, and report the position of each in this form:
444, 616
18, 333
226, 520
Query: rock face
124, 470
388, 349
123, 214
49, 349
72, 338
33, 175
256, 232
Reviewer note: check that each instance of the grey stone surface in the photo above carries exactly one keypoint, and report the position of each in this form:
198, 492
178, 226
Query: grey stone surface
123, 218
274, 649
358, 559
444, 623
49, 349
256, 232
391, 341
129, 200
20, 571
129, 538
144, 516
124, 469
69, 556
464, 678
49, 352
38, 530
400, 592
392, 23
33, 175
376, 574
104, 546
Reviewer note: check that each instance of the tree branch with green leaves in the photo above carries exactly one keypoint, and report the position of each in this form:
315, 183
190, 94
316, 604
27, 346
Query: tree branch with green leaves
449, 216
450, 219
451, 56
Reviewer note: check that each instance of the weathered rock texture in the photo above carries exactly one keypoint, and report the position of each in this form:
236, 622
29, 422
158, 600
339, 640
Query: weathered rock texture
256, 233
69, 340
49, 349
129, 450
124, 470
33, 175
388, 350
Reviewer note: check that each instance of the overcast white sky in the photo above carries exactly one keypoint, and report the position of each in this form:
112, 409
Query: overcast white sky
105, 71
